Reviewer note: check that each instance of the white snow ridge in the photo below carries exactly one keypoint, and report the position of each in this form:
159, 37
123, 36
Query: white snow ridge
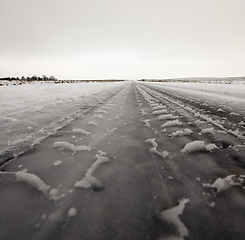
158, 107
30, 179
162, 111
166, 117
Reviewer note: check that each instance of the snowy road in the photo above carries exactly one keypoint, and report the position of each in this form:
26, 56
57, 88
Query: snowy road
147, 162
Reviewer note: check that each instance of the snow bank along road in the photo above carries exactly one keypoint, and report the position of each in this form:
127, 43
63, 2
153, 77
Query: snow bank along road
146, 162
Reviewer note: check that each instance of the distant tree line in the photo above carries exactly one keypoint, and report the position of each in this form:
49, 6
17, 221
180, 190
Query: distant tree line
33, 78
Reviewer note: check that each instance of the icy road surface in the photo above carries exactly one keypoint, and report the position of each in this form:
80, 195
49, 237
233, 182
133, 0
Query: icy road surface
144, 162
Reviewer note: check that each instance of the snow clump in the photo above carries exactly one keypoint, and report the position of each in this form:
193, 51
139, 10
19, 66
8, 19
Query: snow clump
166, 117
72, 212
92, 123
172, 216
152, 141
57, 163
222, 184
180, 133
158, 107
98, 116
71, 147
159, 112
81, 131
197, 146
146, 122
207, 130
32, 180
172, 123
89, 180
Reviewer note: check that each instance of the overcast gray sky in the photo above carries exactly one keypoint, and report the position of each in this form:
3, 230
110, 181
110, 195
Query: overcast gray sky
125, 39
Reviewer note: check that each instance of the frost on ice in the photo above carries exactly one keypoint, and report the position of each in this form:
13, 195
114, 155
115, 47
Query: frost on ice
89, 180
172, 216
197, 146
71, 147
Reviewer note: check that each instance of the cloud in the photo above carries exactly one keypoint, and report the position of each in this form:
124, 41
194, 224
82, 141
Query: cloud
159, 38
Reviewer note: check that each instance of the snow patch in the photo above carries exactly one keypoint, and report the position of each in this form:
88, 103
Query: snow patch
166, 117
222, 184
118, 115
198, 122
210, 147
163, 154
172, 123
89, 180
152, 142
154, 145
54, 195
154, 104
92, 123
30, 179
235, 114
172, 216
72, 212
57, 163
100, 111
159, 112
207, 130
113, 130
159, 107
71, 147
146, 122
81, 131
211, 204
98, 116
180, 133
197, 146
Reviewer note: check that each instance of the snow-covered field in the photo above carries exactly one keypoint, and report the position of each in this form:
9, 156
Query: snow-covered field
237, 89
30, 112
